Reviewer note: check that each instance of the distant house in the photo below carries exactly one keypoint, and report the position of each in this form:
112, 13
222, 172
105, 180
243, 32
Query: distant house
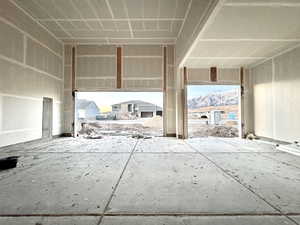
86, 109
136, 108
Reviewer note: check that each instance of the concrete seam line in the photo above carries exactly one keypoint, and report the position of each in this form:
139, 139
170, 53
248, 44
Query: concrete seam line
153, 215
118, 182
262, 154
224, 171
245, 186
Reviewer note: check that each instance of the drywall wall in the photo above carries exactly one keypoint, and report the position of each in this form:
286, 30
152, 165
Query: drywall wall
68, 101
142, 70
31, 62
197, 15
276, 97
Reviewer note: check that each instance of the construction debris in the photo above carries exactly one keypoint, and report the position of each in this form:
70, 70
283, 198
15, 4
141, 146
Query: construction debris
251, 136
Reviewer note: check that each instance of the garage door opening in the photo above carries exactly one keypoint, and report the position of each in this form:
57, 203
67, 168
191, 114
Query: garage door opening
119, 113
213, 110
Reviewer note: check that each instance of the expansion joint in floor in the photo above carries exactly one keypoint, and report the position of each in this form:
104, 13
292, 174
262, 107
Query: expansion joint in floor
118, 182
245, 186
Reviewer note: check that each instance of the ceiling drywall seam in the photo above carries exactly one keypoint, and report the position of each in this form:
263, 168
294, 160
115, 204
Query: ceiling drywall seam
199, 57
62, 13
174, 15
113, 19
274, 56
209, 16
96, 14
143, 24
35, 20
158, 14
127, 15
260, 4
184, 19
249, 40
81, 17
58, 24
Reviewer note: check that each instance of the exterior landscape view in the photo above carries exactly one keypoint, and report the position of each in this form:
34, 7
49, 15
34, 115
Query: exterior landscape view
213, 111
110, 114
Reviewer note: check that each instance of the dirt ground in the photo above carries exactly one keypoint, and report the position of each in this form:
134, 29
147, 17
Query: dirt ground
203, 130
149, 126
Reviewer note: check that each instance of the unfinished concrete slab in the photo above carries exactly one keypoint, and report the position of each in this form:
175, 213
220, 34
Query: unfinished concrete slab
71, 220
156, 186
213, 144
177, 183
73, 145
276, 182
210, 144
285, 158
296, 219
162, 144
201, 220
63, 183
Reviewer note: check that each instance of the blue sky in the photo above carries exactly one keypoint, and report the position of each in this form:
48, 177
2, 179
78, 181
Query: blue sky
199, 90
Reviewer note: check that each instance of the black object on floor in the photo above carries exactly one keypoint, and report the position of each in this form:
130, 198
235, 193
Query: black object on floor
9, 162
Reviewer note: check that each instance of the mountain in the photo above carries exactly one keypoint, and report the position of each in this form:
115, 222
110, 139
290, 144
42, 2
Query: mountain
214, 99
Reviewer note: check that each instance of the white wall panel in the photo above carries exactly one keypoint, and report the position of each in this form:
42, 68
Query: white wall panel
263, 100
30, 69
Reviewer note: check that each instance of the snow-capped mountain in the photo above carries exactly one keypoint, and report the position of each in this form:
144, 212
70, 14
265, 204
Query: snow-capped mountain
214, 99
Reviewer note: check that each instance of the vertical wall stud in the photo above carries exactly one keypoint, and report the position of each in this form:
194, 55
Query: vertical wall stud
119, 67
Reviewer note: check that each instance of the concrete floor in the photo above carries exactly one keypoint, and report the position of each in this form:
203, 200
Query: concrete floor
158, 181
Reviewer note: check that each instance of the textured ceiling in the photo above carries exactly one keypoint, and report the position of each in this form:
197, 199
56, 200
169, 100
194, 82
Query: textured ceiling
110, 21
247, 32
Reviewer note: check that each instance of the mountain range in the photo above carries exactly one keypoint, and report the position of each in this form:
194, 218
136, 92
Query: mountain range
214, 99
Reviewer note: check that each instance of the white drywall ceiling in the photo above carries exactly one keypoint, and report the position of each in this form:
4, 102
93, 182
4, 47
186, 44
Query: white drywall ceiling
246, 32
110, 21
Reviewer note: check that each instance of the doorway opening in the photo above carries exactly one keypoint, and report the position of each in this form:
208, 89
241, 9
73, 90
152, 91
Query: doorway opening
119, 113
47, 124
213, 110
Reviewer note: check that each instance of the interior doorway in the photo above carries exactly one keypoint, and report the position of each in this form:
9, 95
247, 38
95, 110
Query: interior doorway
118, 113
213, 110
47, 118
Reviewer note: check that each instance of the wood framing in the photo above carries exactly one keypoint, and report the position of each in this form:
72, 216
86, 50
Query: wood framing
213, 74
119, 67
